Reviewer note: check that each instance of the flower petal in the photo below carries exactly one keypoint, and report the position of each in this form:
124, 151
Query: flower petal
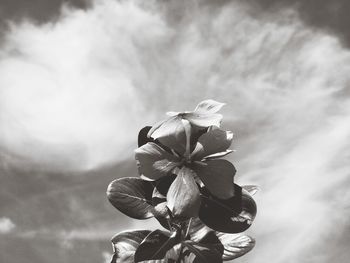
171, 133
172, 113
209, 107
217, 176
183, 195
203, 120
212, 142
153, 161
218, 155
251, 189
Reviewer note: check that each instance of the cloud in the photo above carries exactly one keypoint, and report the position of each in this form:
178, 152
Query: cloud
106, 256
330, 17
75, 98
73, 93
38, 10
6, 225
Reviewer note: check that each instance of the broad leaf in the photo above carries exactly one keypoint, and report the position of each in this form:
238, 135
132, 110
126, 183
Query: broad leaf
161, 211
233, 215
155, 246
197, 230
235, 245
164, 184
125, 245
217, 176
183, 195
229, 245
142, 138
193, 252
131, 196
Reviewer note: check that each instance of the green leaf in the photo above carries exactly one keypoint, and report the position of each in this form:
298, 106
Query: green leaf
155, 246
235, 245
233, 215
125, 245
183, 195
131, 196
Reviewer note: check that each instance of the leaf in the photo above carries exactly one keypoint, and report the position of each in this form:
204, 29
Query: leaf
235, 245
197, 230
125, 245
131, 196
251, 189
142, 138
233, 215
229, 245
155, 245
199, 253
183, 195
212, 142
154, 162
217, 176
164, 183
161, 211
209, 107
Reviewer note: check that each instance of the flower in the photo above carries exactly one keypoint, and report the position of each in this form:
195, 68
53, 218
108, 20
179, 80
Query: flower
171, 132
193, 162
188, 189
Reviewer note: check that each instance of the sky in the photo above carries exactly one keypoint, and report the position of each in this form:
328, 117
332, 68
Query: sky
78, 79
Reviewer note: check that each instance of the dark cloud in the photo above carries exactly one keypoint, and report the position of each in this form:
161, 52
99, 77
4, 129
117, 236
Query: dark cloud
59, 217
332, 16
37, 10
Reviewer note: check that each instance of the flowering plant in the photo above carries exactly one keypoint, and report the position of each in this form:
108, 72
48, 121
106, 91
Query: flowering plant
186, 185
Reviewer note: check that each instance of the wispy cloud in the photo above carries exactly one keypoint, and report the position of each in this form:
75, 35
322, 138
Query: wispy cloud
6, 225
76, 92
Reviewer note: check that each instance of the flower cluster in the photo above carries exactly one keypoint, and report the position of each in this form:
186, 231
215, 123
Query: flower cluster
189, 188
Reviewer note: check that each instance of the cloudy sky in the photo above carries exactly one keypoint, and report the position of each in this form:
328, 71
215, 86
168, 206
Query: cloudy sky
78, 79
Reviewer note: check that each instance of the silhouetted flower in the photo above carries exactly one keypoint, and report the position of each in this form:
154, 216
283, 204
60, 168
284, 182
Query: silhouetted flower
192, 165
